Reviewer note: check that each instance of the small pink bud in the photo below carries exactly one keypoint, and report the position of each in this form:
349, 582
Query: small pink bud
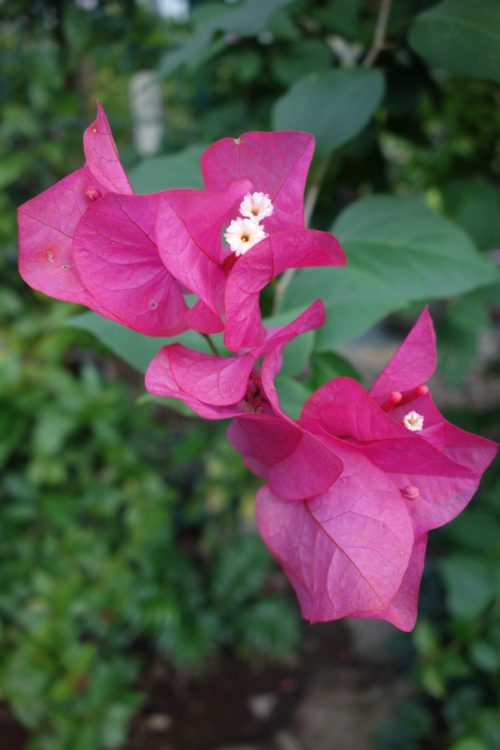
92, 193
410, 493
420, 390
392, 401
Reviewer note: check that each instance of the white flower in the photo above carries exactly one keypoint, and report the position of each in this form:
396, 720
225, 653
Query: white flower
413, 421
256, 206
242, 234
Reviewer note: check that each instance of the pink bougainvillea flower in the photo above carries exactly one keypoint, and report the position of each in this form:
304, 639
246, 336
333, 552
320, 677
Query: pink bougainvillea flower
219, 388
255, 188
276, 164
89, 240
431, 467
48, 222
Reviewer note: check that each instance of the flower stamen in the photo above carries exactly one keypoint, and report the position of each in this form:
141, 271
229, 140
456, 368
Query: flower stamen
413, 421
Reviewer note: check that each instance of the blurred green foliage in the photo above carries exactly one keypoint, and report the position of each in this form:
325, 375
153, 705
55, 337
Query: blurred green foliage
125, 528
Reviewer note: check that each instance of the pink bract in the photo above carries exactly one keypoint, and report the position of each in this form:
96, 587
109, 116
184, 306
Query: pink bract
429, 476
117, 258
275, 163
48, 222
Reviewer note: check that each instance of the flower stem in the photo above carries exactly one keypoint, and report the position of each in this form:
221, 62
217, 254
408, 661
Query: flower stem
379, 35
211, 344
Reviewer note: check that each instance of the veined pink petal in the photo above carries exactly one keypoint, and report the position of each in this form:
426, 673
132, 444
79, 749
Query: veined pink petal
210, 386
402, 611
205, 381
413, 363
345, 551
443, 488
118, 261
293, 462
275, 163
343, 410
102, 155
201, 318
298, 248
47, 225
460, 446
189, 237
217, 381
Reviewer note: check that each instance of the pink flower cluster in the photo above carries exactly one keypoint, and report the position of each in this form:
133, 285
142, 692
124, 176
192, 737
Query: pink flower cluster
353, 486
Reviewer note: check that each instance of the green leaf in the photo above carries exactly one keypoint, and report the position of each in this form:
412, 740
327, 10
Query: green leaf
485, 656
188, 52
412, 249
469, 743
354, 300
240, 571
245, 18
474, 203
432, 680
135, 348
292, 395
169, 403
179, 170
296, 355
329, 365
303, 57
462, 36
469, 588
334, 106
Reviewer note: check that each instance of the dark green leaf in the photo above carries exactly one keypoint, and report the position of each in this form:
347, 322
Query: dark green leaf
410, 248
135, 348
296, 354
334, 106
179, 170
306, 56
354, 300
292, 395
462, 36
469, 588
329, 365
474, 203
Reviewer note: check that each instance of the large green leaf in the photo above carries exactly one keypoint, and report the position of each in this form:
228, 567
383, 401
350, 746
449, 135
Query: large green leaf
462, 36
354, 300
474, 203
244, 18
296, 60
468, 584
292, 395
179, 170
135, 348
411, 249
334, 106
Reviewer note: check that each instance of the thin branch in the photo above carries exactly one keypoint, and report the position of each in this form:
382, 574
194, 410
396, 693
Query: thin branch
211, 344
378, 43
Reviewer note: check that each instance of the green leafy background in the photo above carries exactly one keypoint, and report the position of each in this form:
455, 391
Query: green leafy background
126, 527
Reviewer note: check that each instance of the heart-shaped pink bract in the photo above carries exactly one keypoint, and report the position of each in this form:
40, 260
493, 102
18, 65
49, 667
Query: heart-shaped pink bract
47, 223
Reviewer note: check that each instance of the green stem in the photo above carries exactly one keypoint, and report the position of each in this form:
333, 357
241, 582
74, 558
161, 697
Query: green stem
211, 344
378, 43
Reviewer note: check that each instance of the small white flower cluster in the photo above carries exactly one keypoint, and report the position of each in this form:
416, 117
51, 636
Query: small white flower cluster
413, 421
245, 231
